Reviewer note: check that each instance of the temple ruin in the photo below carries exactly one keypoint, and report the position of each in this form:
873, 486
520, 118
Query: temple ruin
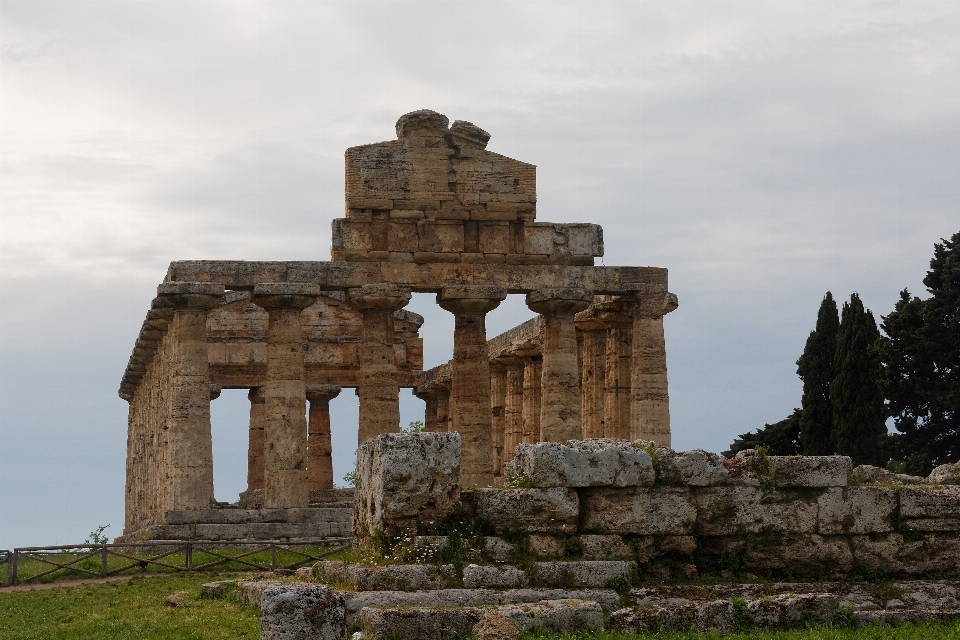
432, 211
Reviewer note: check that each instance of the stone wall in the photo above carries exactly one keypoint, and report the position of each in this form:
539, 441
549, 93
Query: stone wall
692, 511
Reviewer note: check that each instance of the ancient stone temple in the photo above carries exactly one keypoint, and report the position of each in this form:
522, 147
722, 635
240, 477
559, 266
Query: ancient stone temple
432, 211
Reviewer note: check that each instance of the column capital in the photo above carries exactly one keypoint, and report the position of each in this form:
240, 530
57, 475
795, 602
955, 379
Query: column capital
255, 395
285, 295
322, 392
471, 299
559, 301
379, 296
215, 391
182, 295
656, 305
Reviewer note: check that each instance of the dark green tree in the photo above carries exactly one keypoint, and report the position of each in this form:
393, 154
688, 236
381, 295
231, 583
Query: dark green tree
858, 412
921, 365
781, 438
815, 368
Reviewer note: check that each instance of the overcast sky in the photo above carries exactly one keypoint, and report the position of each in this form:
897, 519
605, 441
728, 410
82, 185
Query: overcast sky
763, 151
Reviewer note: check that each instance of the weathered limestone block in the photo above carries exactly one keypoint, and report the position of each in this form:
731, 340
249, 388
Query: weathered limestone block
867, 473
493, 577
302, 612
931, 553
811, 471
946, 474
929, 502
785, 611
585, 573
856, 510
584, 463
528, 510
653, 511
555, 616
497, 548
743, 509
494, 626
405, 477
810, 555
611, 547
543, 546
422, 623
697, 468
403, 577
678, 617
251, 591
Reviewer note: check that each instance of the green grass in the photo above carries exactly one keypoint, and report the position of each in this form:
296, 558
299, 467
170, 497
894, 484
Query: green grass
132, 609
27, 567
906, 632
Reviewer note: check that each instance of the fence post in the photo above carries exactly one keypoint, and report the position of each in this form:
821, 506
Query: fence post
12, 568
189, 559
103, 561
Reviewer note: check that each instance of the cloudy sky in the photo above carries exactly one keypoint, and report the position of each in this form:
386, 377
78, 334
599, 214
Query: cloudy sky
763, 151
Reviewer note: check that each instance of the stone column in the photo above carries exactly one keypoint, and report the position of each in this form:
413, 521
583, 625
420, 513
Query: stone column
186, 443
255, 443
431, 401
319, 447
560, 389
470, 378
498, 401
619, 373
531, 396
285, 424
593, 350
443, 409
650, 406
513, 410
377, 384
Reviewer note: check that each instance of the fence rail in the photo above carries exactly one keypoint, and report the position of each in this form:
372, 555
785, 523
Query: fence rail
173, 555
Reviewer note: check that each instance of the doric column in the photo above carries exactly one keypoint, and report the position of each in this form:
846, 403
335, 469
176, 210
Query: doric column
319, 447
187, 447
619, 373
470, 378
513, 410
443, 409
560, 389
255, 442
593, 350
650, 406
531, 396
431, 401
377, 384
285, 425
498, 401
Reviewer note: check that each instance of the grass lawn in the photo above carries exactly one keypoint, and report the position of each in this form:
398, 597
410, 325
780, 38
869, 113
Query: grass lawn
134, 609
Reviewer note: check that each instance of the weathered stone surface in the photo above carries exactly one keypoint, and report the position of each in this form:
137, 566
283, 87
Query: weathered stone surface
931, 553
251, 591
806, 555
930, 502
811, 471
305, 574
653, 511
212, 590
493, 577
609, 547
495, 626
697, 468
528, 510
715, 617
585, 573
542, 546
743, 509
555, 616
946, 474
302, 612
584, 463
497, 548
856, 510
404, 577
786, 611
422, 623
867, 474
402, 478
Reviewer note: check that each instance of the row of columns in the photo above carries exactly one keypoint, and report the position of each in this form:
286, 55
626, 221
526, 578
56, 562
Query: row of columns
534, 400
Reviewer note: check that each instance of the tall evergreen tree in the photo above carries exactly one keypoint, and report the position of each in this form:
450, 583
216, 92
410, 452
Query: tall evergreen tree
858, 412
815, 368
921, 358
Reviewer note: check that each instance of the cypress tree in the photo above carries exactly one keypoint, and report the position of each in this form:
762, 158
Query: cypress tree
921, 358
815, 368
858, 412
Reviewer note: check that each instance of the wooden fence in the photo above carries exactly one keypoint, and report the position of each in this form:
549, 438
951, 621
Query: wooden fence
162, 554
